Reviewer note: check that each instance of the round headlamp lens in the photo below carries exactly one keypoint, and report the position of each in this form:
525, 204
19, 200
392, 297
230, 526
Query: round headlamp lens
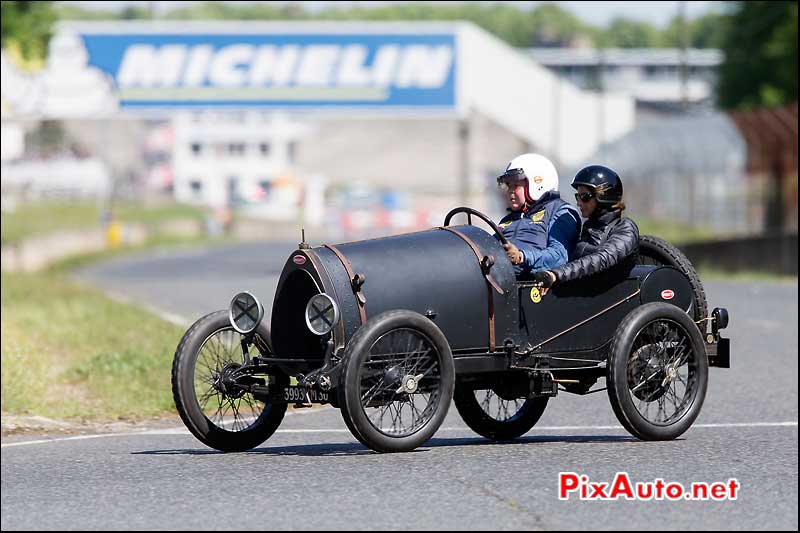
245, 312
322, 314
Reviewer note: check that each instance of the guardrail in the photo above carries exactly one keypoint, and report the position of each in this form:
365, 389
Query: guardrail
39, 252
776, 254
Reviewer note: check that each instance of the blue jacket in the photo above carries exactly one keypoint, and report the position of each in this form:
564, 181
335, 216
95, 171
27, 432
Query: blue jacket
546, 233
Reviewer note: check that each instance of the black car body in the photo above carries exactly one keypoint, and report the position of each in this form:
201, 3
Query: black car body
452, 290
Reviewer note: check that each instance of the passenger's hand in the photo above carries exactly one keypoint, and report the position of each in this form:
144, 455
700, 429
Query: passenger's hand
514, 254
545, 277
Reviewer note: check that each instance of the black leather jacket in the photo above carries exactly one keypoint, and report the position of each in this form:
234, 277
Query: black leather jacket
606, 242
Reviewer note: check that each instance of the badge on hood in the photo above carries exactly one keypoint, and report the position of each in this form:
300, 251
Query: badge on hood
536, 295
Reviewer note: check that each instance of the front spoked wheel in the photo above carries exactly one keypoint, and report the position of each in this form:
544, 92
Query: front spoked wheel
398, 381
657, 372
209, 395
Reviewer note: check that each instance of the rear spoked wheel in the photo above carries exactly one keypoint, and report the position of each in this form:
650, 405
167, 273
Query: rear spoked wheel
658, 252
657, 372
397, 382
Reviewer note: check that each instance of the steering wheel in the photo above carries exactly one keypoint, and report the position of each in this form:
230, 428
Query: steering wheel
469, 211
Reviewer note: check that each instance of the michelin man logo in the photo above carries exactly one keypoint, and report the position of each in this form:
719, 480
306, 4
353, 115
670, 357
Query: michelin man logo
66, 88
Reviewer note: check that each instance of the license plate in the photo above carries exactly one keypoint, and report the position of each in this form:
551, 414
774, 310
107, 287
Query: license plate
300, 394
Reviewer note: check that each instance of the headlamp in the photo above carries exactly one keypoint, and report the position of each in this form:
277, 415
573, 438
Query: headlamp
322, 314
245, 312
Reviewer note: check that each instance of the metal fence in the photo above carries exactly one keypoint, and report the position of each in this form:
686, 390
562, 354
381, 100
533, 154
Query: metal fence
699, 170
771, 136
688, 169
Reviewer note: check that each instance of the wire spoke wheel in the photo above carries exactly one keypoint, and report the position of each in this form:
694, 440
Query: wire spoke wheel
211, 397
224, 404
662, 372
494, 416
498, 408
657, 372
397, 381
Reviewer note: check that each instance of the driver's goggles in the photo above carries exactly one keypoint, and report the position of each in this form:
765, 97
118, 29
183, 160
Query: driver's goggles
505, 186
512, 178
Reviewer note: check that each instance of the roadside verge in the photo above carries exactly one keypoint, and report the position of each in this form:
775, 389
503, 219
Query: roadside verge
69, 352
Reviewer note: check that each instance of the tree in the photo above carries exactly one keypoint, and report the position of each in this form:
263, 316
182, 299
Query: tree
547, 24
27, 25
134, 13
760, 47
706, 31
626, 33
552, 25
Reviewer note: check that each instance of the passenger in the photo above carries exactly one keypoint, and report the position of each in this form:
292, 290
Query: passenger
542, 229
607, 239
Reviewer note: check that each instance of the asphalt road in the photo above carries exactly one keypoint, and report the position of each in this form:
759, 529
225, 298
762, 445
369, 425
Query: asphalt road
312, 474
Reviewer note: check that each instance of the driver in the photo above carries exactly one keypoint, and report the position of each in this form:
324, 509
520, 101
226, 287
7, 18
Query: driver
542, 229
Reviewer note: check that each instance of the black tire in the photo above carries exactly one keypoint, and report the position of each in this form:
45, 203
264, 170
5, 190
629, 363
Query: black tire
395, 360
509, 420
658, 252
348, 421
212, 432
653, 347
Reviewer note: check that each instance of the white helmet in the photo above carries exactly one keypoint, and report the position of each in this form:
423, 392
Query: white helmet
537, 169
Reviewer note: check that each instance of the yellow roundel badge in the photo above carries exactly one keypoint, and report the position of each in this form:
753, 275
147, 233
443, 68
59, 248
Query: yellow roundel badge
536, 295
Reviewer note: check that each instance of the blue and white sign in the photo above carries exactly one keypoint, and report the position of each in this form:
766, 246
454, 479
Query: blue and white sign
281, 70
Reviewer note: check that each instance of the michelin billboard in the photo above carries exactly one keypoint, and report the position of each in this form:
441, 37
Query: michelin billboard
254, 67
281, 70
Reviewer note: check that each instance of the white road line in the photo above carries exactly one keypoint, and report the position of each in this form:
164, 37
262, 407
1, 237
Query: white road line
163, 315
181, 431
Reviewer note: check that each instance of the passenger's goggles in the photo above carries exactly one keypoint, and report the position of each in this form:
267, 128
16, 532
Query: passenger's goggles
584, 196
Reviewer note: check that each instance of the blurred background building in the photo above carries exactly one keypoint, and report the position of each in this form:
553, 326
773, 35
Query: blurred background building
359, 127
263, 115
654, 77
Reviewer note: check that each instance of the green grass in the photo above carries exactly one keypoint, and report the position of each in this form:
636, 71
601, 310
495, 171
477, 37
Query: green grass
675, 232
67, 350
155, 214
70, 352
28, 220
710, 273
163, 241
31, 219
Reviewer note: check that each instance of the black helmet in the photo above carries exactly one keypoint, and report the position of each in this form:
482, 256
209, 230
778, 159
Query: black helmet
606, 183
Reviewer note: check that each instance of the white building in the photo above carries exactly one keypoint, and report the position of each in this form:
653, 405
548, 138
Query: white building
428, 111
241, 158
653, 76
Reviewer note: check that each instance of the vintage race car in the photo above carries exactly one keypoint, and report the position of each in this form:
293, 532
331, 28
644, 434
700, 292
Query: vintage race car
391, 330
